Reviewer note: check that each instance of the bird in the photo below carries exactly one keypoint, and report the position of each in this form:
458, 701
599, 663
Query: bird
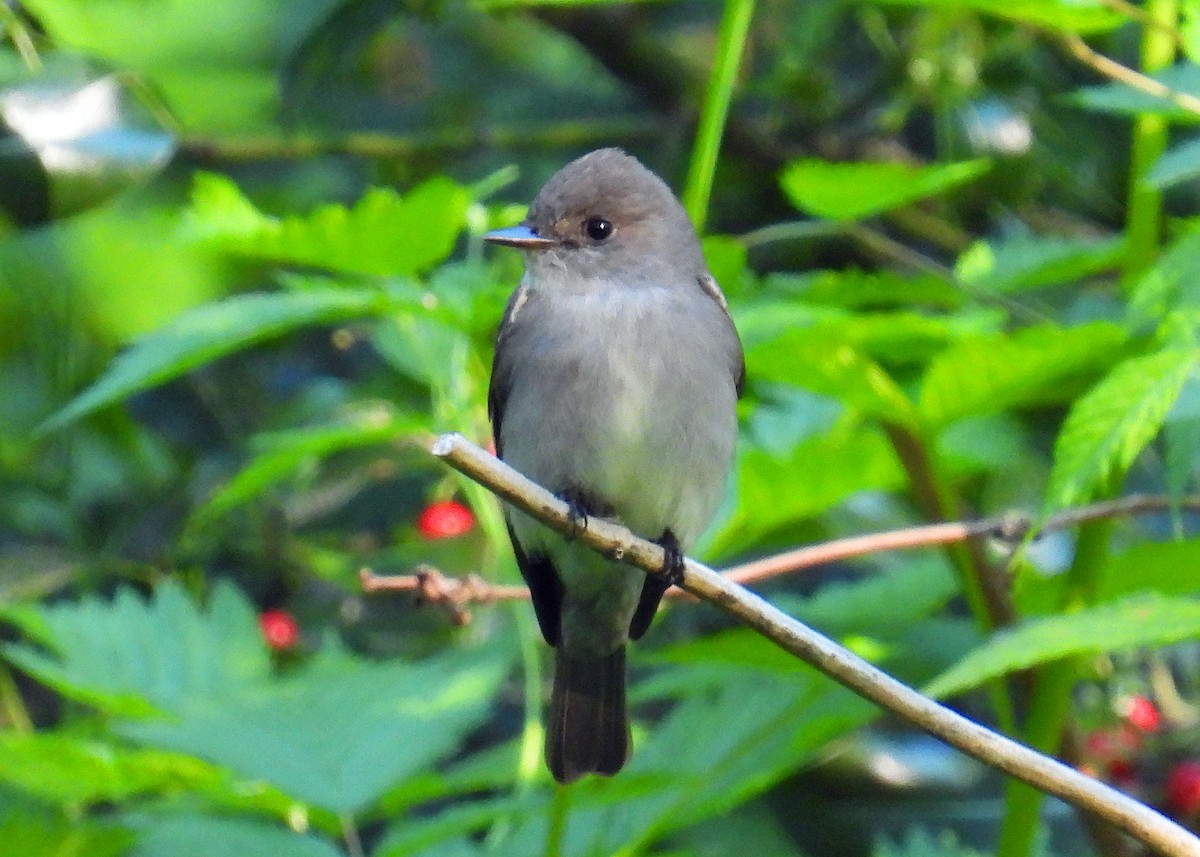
614, 384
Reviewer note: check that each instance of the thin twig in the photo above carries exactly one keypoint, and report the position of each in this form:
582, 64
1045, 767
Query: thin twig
615, 541
1113, 70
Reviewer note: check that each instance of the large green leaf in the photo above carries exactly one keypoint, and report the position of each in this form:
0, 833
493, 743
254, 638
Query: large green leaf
134, 657
1108, 427
1124, 100
1172, 284
189, 835
77, 770
854, 191
1037, 365
28, 829
1078, 16
1178, 164
1027, 262
214, 330
341, 731
1142, 620
819, 361
774, 492
383, 234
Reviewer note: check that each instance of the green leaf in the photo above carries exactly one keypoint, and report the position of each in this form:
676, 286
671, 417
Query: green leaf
1108, 427
341, 731
1172, 284
214, 330
1178, 164
187, 835
134, 657
1143, 620
1072, 16
383, 234
854, 289
857, 191
773, 492
1029, 263
819, 361
77, 770
1124, 100
32, 831
1037, 365
1160, 567
278, 455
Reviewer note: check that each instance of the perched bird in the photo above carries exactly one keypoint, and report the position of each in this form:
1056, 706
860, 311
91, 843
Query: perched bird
614, 385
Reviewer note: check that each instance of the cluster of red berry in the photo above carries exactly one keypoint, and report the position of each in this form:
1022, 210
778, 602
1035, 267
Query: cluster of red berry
442, 520
1116, 753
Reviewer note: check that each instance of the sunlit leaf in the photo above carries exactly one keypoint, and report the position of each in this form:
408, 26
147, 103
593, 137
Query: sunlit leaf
1079, 16
1037, 365
382, 234
1109, 426
1178, 164
1142, 620
854, 191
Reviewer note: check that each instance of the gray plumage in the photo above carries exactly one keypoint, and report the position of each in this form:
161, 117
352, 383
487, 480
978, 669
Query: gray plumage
615, 382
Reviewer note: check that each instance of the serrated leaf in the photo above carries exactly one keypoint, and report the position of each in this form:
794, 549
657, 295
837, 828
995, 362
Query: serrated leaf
1109, 426
854, 191
1029, 262
1123, 100
342, 731
211, 331
187, 835
1142, 620
1037, 365
383, 234
136, 657
1072, 16
1172, 284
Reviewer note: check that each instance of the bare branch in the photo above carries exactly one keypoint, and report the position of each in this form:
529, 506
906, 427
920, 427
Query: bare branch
1044, 773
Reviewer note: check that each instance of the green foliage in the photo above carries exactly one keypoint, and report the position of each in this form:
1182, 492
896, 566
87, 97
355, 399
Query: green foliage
1111, 424
967, 329
383, 234
857, 191
1143, 620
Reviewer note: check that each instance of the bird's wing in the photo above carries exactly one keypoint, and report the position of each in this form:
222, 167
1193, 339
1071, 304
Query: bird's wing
711, 288
537, 569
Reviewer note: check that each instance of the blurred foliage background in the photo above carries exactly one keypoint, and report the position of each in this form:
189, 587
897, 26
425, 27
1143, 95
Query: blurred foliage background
241, 279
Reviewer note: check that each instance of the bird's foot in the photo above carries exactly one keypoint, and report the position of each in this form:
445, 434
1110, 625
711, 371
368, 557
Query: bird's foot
673, 564
577, 510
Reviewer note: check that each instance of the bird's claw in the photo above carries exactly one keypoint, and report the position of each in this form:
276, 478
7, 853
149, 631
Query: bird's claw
673, 562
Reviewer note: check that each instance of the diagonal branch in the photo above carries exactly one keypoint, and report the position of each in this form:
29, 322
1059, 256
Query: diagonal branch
1040, 771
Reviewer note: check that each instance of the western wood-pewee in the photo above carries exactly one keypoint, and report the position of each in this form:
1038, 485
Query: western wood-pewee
615, 383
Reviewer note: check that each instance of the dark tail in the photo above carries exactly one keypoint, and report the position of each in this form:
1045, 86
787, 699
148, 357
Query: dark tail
588, 730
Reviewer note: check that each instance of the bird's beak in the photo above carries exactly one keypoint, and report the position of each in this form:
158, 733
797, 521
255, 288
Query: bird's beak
521, 237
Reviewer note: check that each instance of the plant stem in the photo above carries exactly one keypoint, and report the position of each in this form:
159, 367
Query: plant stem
1050, 705
12, 705
1143, 220
557, 829
731, 40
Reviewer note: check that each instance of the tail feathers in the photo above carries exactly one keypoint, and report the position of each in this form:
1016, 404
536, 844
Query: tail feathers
588, 730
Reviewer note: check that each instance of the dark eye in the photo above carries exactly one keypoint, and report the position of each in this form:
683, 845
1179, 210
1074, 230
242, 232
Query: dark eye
598, 228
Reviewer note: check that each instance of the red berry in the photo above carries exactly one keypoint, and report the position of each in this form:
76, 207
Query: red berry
279, 629
444, 520
1141, 712
1183, 788
1121, 773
